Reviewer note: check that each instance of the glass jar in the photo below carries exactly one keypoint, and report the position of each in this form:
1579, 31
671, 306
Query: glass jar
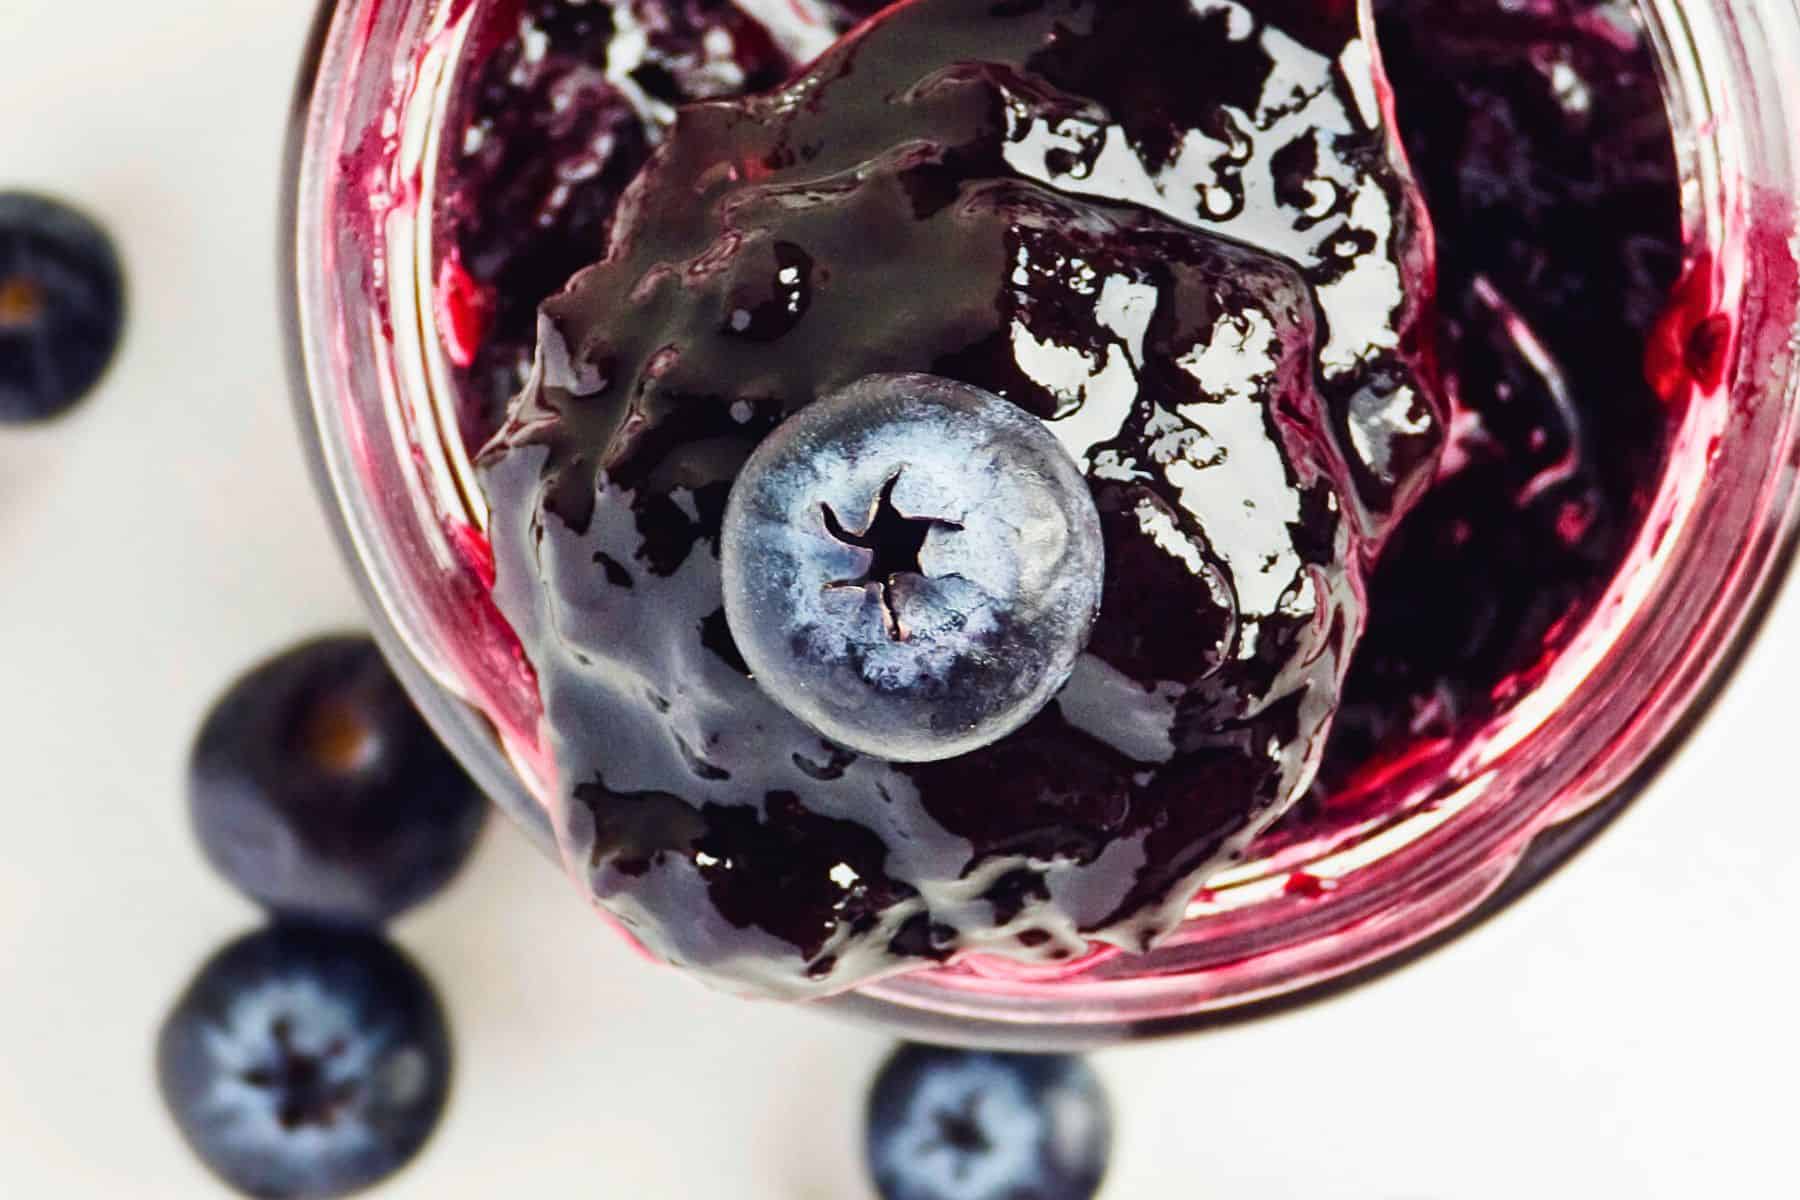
1496, 811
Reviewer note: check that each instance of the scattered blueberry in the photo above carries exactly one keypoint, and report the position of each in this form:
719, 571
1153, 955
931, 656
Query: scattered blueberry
911, 566
960, 1125
62, 306
306, 1062
317, 788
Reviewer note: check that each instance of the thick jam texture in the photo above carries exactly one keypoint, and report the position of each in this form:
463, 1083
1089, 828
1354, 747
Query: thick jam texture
1214, 289
565, 103
1539, 136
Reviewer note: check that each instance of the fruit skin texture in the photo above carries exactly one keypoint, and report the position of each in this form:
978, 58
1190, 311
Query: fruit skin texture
316, 788
967, 640
62, 306
958, 1125
304, 1063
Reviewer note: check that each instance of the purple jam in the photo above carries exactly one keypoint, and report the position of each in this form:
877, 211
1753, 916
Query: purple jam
1539, 137
982, 224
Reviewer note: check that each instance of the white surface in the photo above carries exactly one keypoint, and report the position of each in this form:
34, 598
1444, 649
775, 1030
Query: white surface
1627, 1031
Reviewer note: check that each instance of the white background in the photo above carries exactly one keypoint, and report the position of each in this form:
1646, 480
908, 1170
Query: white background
1629, 1030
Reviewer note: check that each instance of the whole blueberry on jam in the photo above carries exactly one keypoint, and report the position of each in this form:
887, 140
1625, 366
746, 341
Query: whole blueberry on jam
317, 788
305, 1063
911, 566
960, 1125
62, 306
860, 723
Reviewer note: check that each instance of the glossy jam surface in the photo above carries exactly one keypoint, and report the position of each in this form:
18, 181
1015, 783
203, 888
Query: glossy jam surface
1544, 158
1539, 136
1213, 303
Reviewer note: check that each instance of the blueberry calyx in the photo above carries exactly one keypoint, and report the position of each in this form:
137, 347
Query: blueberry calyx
307, 1091
896, 541
912, 566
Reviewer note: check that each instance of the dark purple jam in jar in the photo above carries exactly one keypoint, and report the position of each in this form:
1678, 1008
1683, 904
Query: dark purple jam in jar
1351, 499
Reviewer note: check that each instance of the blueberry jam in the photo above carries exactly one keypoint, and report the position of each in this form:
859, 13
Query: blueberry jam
566, 105
1539, 136
1174, 270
